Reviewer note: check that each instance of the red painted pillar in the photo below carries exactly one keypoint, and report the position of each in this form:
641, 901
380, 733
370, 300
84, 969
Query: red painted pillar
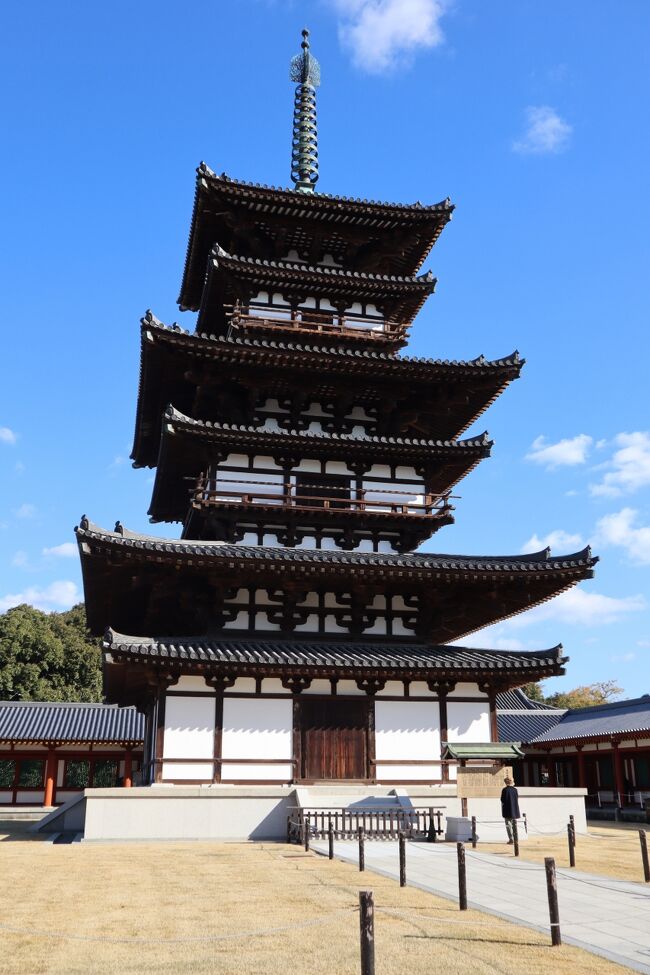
619, 778
128, 768
582, 772
50, 777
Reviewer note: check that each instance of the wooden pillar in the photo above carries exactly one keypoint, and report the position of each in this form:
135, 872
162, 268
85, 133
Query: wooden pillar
297, 740
442, 707
619, 777
552, 771
159, 738
50, 777
370, 740
582, 772
494, 727
128, 768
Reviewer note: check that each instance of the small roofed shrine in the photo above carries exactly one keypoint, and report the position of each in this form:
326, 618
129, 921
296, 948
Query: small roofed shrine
292, 634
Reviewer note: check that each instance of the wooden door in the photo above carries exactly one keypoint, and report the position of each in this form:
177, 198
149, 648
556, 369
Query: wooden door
334, 738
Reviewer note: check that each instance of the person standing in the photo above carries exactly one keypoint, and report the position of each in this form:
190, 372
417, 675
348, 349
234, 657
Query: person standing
510, 807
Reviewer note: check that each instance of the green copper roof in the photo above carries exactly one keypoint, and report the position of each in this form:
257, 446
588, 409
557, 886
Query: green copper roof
496, 750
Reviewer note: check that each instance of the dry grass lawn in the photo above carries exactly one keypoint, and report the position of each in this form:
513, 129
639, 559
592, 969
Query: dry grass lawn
276, 910
611, 849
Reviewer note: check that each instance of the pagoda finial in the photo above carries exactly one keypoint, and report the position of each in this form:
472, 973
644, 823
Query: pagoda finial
305, 71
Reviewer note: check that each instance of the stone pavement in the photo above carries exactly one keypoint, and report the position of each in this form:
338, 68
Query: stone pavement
608, 917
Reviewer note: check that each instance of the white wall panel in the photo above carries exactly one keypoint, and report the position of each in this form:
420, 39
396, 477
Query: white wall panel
468, 721
184, 771
467, 690
190, 682
257, 728
272, 773
393, 687
408, 773
407, 730
189, 727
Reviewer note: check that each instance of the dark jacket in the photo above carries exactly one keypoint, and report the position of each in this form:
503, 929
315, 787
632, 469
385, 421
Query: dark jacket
510, 803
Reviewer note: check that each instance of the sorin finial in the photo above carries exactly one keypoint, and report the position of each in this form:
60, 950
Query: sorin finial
305, 71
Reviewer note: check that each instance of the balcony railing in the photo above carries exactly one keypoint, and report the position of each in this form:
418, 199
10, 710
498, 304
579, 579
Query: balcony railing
217, 492
316, 323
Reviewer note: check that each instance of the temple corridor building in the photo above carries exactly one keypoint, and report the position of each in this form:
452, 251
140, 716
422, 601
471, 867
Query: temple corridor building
293, 634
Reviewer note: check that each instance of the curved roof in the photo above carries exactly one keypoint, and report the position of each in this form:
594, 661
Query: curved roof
363, 232
616, 719
67, 723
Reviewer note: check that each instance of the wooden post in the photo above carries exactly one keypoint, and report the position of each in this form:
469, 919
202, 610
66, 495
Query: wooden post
553, 907
50, 777
644, 855
515, 837
330, 840
474, 837
362, 850
431, 834
582, 773
402, 859
572, 823
462, 877
305, 827
367, 932
572, 850
289, 829
128, 768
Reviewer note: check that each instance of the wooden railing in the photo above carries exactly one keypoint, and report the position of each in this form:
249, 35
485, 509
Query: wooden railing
210, 491
377, 822
318, 323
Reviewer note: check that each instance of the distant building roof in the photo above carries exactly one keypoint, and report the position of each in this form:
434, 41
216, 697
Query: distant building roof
495, 750
616, 719
36, 721
521, 719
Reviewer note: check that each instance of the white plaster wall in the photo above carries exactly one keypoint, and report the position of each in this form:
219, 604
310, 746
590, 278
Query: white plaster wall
419, 688
407, 730
349, 688
393, 687
243, 685
189, 728
7, 797
319, 686
188, 771
468, 721
408, 773
467, 690
273, 685
257, 728
33, 797
190, 682
235, 460
263, 773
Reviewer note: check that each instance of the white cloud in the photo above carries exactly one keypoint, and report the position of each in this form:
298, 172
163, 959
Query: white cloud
25, 511
620, 528
382, 33
624, 658
546, 132
57, 596
565, 453
66, 550
7, 436
582, 608
628, 468
556, 540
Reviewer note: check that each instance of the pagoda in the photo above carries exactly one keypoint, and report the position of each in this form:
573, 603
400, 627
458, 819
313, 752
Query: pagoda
292, 634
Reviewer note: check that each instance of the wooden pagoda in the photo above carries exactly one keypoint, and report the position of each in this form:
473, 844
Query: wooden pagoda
292, 633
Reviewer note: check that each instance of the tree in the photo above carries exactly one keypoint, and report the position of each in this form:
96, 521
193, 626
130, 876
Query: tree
534, 692
48, 656
586, 695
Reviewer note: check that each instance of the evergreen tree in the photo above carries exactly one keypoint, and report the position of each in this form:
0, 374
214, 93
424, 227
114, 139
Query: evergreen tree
48, 656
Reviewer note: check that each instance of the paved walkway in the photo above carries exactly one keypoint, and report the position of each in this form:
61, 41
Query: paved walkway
605, 916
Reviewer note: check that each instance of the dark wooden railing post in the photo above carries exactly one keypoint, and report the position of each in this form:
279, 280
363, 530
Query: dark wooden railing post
515, 837
572, 848
305, 827
367, 932
431, 835
644, 855
553, 906
439, 818
572, 823
462, 877
330, 840
362, 849
402, 859
474, 836
288, 829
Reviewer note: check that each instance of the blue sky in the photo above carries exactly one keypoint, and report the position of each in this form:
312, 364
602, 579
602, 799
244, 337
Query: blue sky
532, 117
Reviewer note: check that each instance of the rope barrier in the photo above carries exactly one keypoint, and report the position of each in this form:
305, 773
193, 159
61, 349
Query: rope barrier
207, 939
